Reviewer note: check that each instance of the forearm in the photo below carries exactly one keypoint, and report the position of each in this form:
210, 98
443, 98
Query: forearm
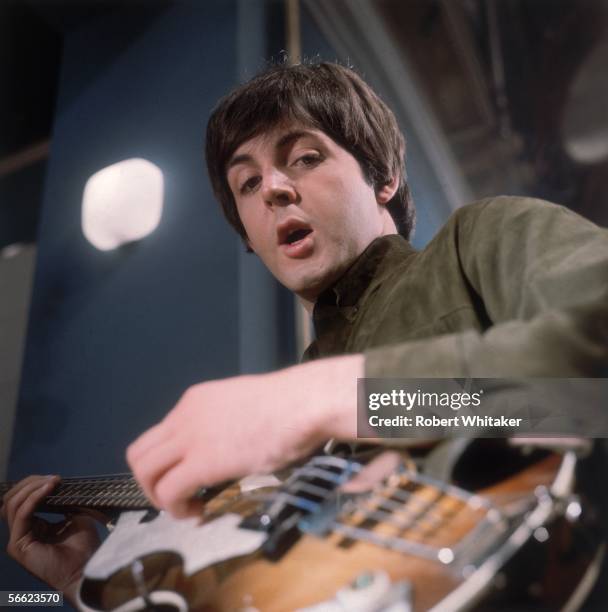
570, 342
329, 394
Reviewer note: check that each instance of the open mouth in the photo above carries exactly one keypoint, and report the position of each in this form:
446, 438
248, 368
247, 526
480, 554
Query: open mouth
297, 235
295, 240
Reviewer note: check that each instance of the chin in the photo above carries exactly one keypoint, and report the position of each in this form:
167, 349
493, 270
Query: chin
310, 286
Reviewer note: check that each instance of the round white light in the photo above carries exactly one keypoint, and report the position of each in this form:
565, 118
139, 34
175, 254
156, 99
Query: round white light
122, 203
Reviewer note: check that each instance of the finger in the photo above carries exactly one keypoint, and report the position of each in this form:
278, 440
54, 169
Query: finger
20, 523
147, 441
80, 525
175, 491
375, 472
38, 528
151, 466
14, 490
22, 491
82, 521
96, 515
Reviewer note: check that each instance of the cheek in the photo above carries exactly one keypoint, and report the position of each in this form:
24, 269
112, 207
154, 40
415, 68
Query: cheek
250, 221
258, 233
334, 201
345, 210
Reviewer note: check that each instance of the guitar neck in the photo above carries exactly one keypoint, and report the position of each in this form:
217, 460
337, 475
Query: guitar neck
108, 494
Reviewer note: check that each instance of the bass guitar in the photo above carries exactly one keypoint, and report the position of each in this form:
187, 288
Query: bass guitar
522, 540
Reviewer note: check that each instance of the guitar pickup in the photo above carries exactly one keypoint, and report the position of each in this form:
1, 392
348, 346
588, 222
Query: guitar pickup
321, 522
309, 492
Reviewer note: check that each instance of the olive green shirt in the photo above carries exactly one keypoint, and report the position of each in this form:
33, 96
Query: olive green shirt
508, 287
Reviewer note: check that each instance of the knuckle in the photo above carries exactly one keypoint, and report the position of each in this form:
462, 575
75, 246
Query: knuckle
165, 500
193, 393
165, 503
178, 511
130, 454
186, 396
24, 510
134, 459
184, 401
9, 506
169, 501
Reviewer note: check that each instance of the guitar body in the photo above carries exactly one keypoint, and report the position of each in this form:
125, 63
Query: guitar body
410, 543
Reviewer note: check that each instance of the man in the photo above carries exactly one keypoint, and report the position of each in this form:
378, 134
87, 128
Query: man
308, 164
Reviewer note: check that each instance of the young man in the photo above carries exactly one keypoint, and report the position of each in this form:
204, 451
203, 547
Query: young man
308, 164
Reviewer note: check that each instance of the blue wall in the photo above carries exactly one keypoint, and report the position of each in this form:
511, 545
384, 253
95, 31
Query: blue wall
115, 337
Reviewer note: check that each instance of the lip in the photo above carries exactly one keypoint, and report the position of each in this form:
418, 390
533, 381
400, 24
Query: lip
300, 248
285, 228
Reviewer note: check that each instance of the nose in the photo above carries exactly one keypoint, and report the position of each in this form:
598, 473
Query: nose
277, 189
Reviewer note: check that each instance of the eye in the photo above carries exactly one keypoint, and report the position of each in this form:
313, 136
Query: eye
250, 184
309, 160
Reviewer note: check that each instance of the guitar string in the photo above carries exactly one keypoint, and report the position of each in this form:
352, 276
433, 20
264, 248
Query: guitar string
398, 541
413, 519
129, 493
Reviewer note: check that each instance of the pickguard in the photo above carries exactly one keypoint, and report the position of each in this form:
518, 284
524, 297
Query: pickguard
200, 546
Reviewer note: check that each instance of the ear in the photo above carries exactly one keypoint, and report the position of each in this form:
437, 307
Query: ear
385, 194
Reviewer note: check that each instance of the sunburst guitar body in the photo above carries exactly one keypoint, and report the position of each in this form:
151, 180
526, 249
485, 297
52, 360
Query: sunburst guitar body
409, 543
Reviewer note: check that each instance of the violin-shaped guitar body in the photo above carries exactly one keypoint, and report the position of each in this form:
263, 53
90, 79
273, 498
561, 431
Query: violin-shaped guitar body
409, 543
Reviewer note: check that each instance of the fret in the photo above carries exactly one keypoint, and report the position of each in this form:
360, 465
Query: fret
112, 492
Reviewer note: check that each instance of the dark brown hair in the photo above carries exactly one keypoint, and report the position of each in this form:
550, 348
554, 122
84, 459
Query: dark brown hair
324, 96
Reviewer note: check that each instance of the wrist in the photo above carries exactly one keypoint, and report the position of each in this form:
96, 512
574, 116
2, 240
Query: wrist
70, 590
332, 393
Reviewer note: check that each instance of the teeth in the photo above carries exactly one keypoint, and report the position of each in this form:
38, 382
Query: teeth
297, 235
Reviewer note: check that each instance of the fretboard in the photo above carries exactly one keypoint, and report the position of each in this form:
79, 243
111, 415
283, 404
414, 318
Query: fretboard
111, 493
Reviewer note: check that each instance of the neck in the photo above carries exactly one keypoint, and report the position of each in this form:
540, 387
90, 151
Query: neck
115, 492
388, 228
308, 305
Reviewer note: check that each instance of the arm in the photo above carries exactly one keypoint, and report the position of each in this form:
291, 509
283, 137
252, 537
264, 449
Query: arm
542, 274
552, 323
225, 429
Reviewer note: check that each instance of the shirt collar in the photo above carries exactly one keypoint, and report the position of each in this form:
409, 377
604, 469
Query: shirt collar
367, 272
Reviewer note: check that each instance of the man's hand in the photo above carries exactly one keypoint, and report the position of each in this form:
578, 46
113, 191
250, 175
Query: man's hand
225, 429
53, 552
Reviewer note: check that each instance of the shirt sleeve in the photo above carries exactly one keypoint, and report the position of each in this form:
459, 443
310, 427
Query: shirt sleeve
541, 272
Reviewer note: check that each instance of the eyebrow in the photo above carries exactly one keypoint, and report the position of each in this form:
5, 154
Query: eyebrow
285, 140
